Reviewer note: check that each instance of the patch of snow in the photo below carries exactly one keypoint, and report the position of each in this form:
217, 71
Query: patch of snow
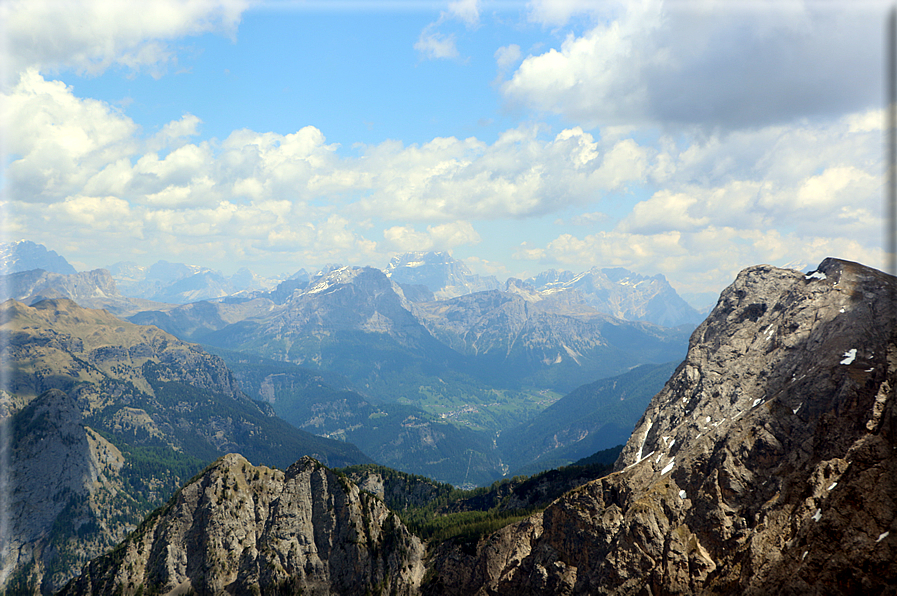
849, 356
658, 458
842, 310
815, 275
769, 332
869, 369
673, 442
834, 484
882, 536
797, 409
757, 402
682, 494
804, 555
668, 467
818, 515
708, 420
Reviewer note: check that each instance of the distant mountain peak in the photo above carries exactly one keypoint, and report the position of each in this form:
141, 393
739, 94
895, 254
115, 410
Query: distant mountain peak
439, 272
623, 294
25, 255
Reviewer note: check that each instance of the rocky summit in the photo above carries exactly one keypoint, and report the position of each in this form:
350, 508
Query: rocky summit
241, 529
767, 464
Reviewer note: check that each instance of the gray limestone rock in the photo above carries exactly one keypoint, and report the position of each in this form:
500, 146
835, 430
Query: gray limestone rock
240, 529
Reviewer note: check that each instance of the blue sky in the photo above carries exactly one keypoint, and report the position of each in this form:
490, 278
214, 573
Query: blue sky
691, 139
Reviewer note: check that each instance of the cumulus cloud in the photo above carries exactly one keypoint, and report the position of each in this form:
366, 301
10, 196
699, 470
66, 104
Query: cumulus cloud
714, 65
777, 194
89, 36
699, 207
522, 174
439, 237
59, 140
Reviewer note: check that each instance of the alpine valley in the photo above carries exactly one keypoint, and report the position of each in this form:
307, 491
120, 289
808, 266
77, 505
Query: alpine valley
171, 430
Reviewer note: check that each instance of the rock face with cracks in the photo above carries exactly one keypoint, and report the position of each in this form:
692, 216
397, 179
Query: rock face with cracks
240, 529
767, 464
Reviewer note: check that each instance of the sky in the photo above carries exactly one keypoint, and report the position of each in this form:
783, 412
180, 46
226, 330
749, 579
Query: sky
686, 138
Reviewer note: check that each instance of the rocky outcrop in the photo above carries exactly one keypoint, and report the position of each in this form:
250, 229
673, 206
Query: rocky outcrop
62, 481
240, 529
768, 463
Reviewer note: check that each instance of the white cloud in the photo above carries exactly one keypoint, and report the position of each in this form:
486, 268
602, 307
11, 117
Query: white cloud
59, 141
465, 10
89, 36
434, 45
705, 260
664, 212
521, 174
507, 56
439, 237
557, 13
707, 205
486, 267
708, 64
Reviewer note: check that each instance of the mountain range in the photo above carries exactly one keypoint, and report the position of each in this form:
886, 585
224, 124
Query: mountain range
445, 377
351, 366
766, 464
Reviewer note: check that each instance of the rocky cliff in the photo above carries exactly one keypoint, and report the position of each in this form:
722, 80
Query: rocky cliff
240, 529
767, 464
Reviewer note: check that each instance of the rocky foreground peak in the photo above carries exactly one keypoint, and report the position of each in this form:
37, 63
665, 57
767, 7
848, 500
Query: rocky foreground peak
768, 463
780, 345
242, 529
